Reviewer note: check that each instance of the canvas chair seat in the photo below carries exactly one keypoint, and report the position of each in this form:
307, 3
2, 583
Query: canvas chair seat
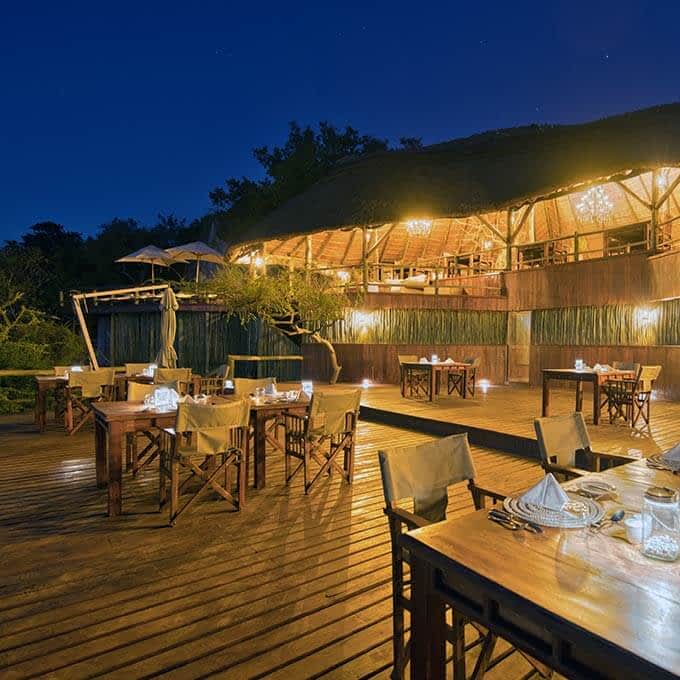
216, 435
328, 431
422, 473
83, 388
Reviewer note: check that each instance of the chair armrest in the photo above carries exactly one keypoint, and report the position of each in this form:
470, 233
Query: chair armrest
408, 518
614, 455
569, 472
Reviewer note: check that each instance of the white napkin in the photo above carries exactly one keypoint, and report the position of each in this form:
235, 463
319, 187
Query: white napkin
449, 361
547, 494
186, 399
597, 367
423, 360
672, 457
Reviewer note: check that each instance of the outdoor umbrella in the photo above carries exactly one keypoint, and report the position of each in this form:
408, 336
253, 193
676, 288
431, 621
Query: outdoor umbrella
196, 251
167, 357
153, 256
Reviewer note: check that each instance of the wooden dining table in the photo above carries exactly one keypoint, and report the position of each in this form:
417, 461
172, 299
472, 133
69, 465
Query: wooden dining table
437, 372
114, 419
587, 604
581, 376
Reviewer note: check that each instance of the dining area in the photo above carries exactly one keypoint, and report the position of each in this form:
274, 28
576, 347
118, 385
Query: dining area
423, 378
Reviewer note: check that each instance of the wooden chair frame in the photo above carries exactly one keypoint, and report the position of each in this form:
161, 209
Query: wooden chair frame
324, 450
78, 409
627, 399
401, 520
416, 381
212, 473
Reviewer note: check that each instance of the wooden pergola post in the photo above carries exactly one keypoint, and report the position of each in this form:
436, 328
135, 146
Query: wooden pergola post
508, 241
364, 258
308, 257
654, 221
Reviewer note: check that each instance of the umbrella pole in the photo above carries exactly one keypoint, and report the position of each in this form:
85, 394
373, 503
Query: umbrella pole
153, 274
198, 261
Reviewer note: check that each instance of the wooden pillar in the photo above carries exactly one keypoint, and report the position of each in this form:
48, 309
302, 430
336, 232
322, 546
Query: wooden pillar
508, 241
251, 265
654, 226
308, 257
86, 333
364, 258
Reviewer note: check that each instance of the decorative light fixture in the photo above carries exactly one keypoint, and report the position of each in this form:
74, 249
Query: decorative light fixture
487, 244
662, 179
646, 316
419, 227
343, 275
595, 206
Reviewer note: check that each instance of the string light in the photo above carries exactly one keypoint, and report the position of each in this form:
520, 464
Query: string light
419, 227
595, 206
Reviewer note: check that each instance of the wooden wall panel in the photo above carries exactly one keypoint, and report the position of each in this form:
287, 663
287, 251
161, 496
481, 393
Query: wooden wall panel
419, 301
380, 364
667, 356
624, 279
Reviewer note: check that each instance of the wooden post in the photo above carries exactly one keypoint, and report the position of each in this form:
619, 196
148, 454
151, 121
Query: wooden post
85, 332
364, 259
655, 212
251, 267
508, 241
308, 257
576, 247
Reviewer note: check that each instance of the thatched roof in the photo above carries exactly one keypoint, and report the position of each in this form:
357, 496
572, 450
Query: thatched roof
479, 174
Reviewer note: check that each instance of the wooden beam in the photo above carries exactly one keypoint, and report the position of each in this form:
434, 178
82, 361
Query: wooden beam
490, 226
654, 209
348, 246
629, 191
522, 220
364, 258
308, 256
666, 194
381, 239
324, 244
86, 334
120, 291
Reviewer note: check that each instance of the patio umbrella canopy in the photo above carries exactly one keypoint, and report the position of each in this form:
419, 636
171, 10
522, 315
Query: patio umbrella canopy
153, 256
167, 356
197, 250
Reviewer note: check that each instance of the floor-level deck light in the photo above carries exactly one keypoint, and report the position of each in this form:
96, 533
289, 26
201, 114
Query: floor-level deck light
365, 383
484, 385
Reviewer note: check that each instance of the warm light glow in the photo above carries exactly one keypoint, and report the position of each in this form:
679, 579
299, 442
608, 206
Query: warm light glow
259, 262
363, 320
419, 227
662, 179
434, 359
365, 383
484, 385
595, 206
487, 244
646, 316
343, 275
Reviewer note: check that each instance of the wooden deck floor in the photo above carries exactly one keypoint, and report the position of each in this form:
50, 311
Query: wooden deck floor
512, 409
292, 586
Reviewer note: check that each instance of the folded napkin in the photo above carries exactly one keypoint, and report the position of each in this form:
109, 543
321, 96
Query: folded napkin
449, 361
597, 367
547, 494
423, 360
672, 457
188, 399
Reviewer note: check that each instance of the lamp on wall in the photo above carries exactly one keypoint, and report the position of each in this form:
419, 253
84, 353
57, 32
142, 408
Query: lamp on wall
595, 206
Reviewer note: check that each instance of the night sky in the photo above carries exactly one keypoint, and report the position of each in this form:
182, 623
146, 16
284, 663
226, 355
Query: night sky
143, 107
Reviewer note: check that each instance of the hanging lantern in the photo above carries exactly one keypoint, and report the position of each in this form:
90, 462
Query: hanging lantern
595, 206
419, 227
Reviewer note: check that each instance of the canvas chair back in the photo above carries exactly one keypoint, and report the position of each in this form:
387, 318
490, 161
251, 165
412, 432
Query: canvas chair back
167, 375
646, 377
211, 425
91, 382
245, 386
222, 371
407, 358
138, 391
473, 361
424, 472
328, 411
60, 371
135, 369
561, 437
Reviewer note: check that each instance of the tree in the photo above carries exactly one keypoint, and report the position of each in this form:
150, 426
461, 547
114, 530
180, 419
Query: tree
293, 303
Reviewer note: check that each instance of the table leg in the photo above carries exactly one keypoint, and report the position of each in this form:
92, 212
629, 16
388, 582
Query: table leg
433, 381
402, 371
115, 469
40, 408
100, 452
428, 625
596, 401
465, 383
545, 411
579, 395
259, 448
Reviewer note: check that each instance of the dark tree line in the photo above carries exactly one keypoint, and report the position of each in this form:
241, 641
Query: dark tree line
49, 259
